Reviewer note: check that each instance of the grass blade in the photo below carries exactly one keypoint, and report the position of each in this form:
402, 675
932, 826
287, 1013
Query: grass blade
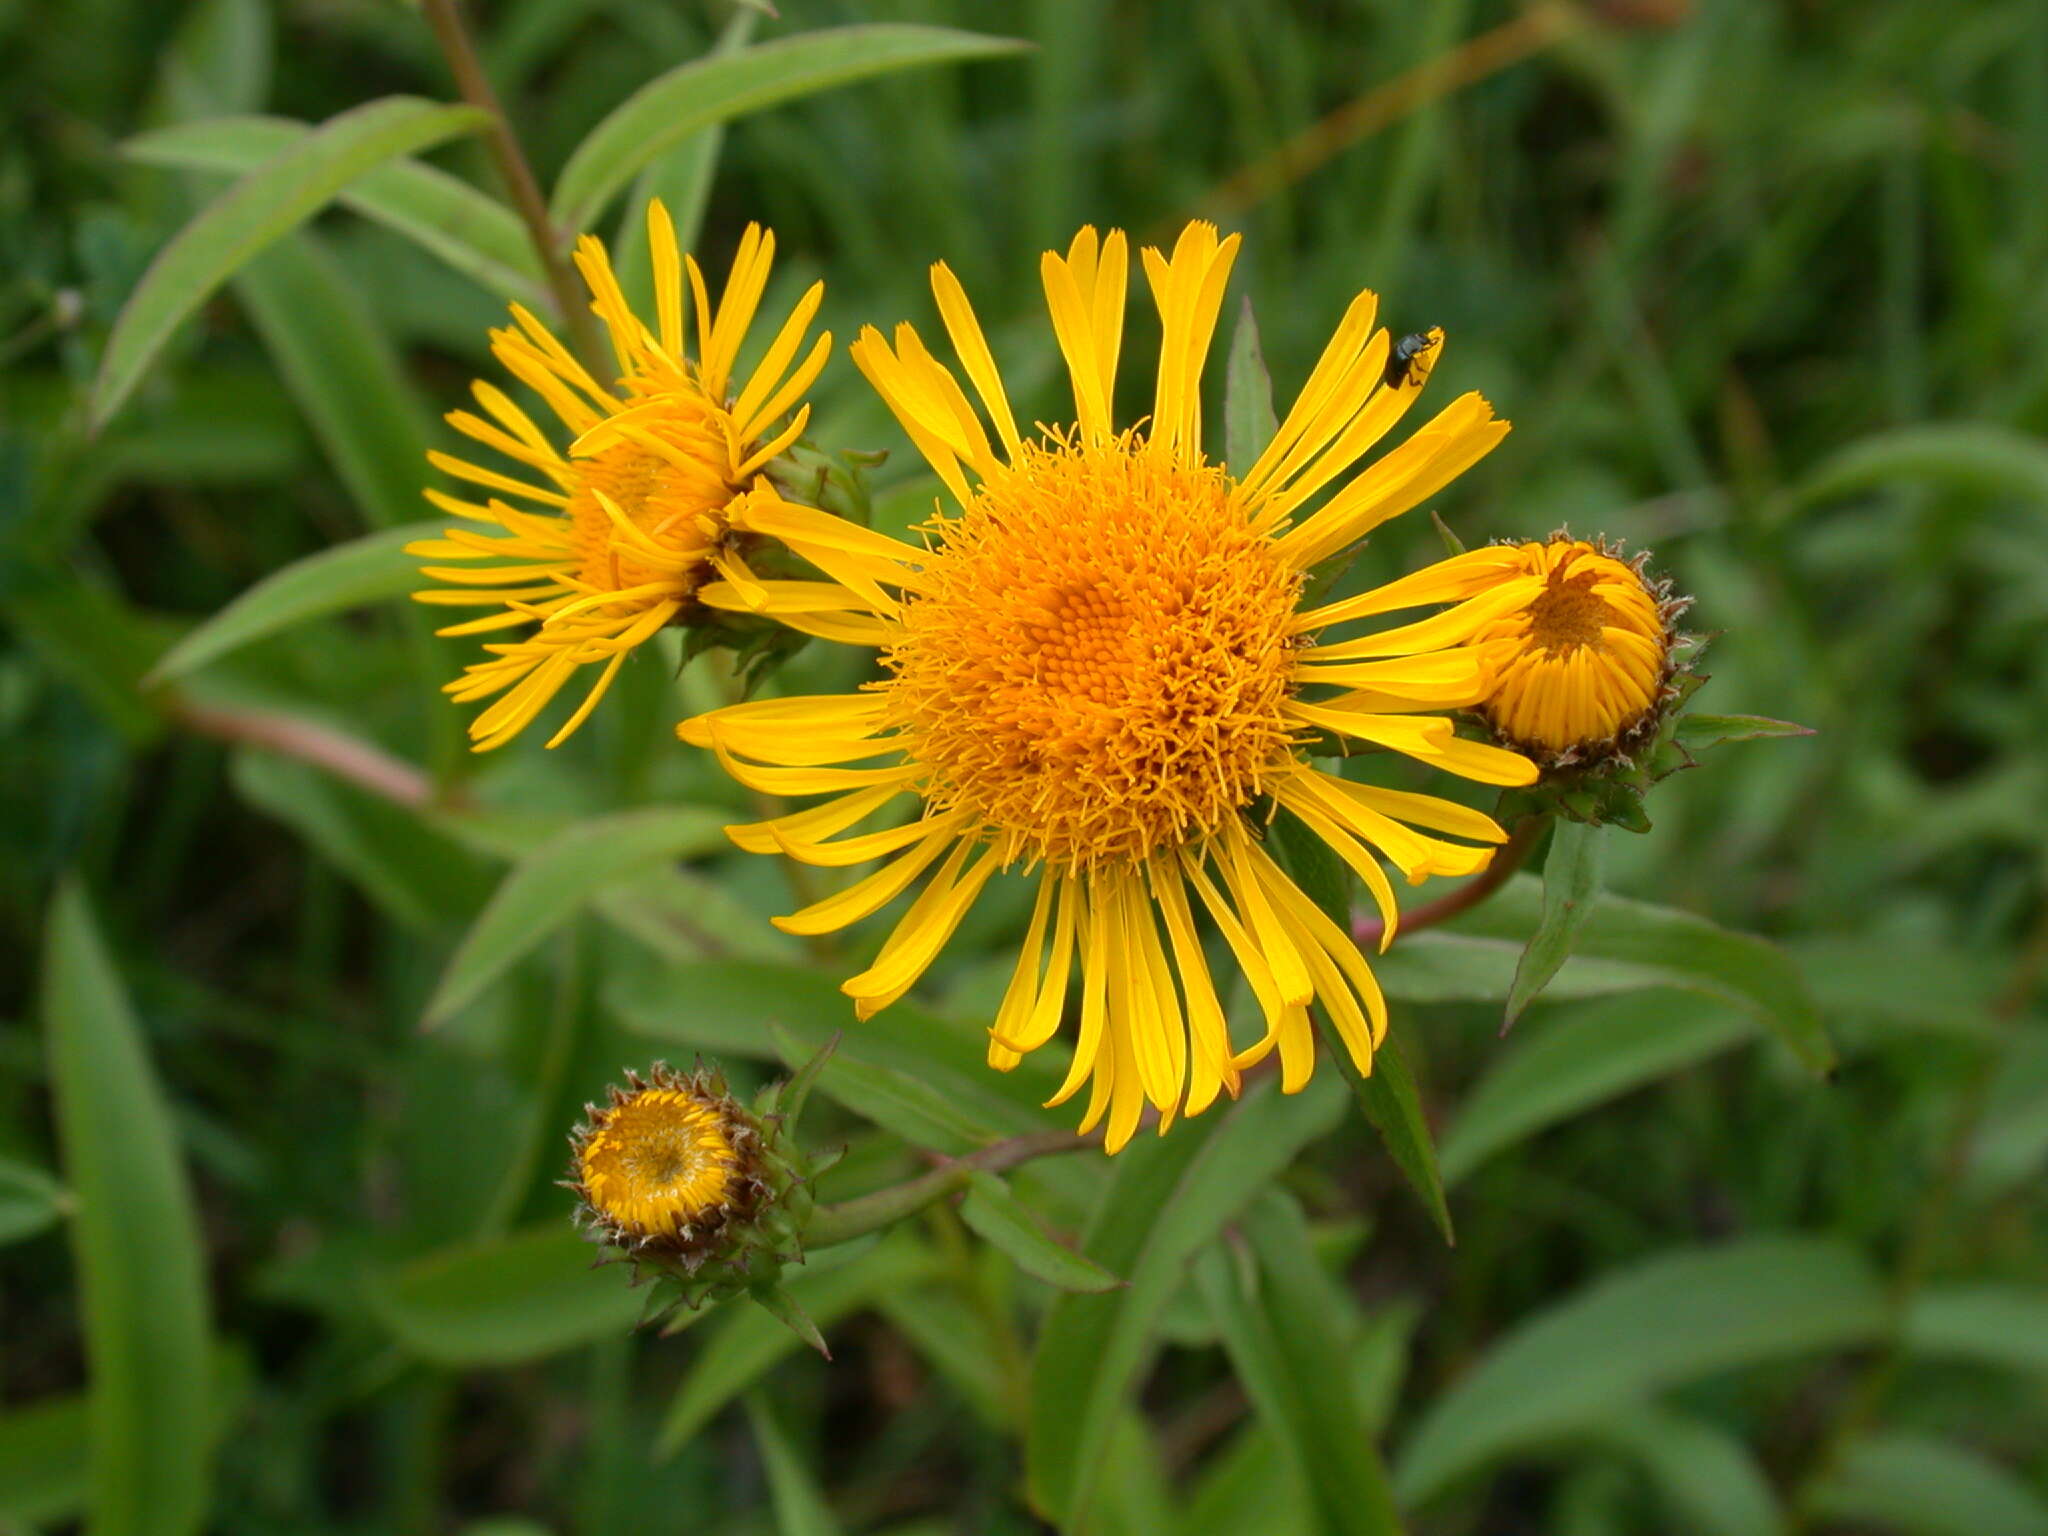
716, 89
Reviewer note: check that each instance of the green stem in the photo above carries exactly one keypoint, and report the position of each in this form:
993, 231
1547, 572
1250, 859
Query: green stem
833, 1224
445, 17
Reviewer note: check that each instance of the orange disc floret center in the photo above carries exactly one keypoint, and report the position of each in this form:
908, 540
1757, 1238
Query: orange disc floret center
1098, 666
669, 480
1569, 613
658, 1162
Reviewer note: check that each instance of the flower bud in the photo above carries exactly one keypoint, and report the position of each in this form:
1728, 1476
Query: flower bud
1583, 662
677, 1176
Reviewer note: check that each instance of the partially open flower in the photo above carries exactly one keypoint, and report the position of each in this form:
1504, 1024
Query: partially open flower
675, 1173
1581, 649
604, 541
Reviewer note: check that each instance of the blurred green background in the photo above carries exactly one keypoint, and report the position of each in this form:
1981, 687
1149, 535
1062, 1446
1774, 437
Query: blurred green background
1760, 285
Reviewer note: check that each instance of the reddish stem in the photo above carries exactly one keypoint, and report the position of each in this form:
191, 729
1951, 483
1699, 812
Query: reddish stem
1367, 927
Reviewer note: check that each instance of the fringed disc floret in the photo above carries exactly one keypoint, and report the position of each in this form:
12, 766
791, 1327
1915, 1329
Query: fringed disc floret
677, 1177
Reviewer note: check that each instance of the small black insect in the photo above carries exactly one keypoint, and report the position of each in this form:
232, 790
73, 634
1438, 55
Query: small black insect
1402, 360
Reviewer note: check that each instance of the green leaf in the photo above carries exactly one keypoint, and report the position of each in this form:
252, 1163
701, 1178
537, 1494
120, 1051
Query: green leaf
718, 88
505, 1299
1705, 731
219, 61
1571, 886
794, 1094
1168, 1199
801, 1508
1993, 1324
1248, 419
954, 1339
547, 887
1393, 1104
45, 1462
723, 1008
681, 178
1966, 456
1387, 1093
2011, 1144
344, 375
469, 229
1583, 1057
783, 1307
1920, 1486
267, 203
1000, 1218
30, 1200
406, 866
371, 569
1678, 1317
741, 1344
1439, 967
1707, 1477
1684, 951
137, 1242
898, 1102
91, 638
1279, 1339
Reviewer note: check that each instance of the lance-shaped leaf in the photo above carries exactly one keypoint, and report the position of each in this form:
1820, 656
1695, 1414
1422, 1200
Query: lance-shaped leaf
677, 104
1248, 419
1705, 731
1279, 1336
1681, 950
1672, 1320
137, 1239
1168, 1198
1006, 1222
557, 878
371, 569
505, 1299
1571, 885
268, 202
466, 227
1388, 1094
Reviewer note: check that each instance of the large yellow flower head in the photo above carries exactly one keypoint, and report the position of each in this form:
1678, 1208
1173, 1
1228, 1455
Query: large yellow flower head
611, 538
1100, 671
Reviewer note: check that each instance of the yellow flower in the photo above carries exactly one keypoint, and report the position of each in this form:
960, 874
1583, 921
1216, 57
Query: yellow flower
1582, 653
1100, 671
660, 1162
618, 532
